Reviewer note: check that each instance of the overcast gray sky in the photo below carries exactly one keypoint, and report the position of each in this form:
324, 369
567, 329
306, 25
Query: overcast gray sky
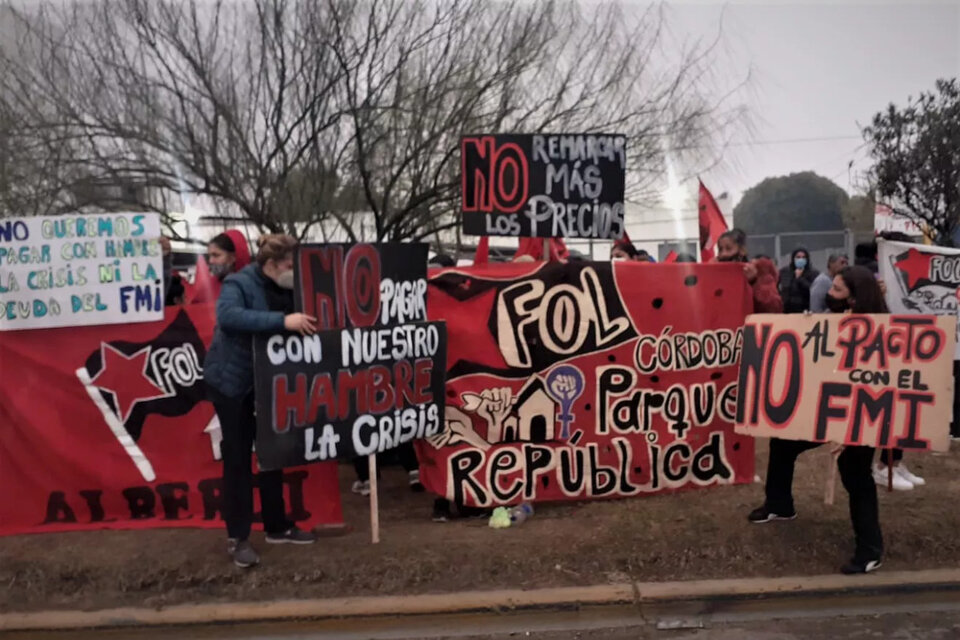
819, 69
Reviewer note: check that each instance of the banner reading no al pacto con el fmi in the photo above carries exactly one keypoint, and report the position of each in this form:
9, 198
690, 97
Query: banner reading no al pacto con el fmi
75, 270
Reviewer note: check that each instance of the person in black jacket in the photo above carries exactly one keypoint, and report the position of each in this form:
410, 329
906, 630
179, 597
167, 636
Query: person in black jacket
795, 281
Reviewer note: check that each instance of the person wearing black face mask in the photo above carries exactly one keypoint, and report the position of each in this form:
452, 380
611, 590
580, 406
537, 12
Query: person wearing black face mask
761, 273
855, 290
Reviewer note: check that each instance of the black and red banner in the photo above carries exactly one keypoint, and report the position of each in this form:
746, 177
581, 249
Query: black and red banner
109, 427
588, 380
549, 186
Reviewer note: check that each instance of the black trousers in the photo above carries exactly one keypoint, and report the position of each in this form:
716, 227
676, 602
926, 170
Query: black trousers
405, 453
854, 464
239, 428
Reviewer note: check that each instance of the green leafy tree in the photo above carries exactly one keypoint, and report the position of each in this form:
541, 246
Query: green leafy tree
858, 214
797, 202
916, 155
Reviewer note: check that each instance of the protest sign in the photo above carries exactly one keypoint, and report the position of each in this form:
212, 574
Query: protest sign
921, 279
587, 380
871, 380
75, 270
347, 392
372, 378
548, 186
128, 440
362, 285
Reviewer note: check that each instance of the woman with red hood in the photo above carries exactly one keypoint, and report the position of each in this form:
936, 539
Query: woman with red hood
227, 253
761, 273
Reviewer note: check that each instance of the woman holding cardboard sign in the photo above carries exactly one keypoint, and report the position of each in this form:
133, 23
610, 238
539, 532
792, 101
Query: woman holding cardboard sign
257, 299
854, 290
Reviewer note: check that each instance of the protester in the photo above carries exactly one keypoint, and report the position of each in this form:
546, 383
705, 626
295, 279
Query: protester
795, 281
865, 255
257, 299
824, 281
761, 273
173, 289
624, 250
227, 253
442, 260
406, 455
854, 289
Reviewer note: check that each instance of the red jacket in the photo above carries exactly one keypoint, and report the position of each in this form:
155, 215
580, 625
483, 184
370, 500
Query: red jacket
766, 296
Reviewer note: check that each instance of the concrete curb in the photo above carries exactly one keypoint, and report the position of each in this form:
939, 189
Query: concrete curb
473, 601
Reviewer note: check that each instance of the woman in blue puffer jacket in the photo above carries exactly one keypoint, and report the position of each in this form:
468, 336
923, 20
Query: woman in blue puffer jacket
256, 299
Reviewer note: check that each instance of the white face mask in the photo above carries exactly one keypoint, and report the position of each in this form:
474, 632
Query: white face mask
618, 259
285, 280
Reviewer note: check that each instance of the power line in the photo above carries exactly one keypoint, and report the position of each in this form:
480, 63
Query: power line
793, 141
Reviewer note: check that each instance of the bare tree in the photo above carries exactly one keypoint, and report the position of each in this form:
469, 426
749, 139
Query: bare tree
298, 112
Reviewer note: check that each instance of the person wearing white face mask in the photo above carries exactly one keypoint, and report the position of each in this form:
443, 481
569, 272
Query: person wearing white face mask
257, 299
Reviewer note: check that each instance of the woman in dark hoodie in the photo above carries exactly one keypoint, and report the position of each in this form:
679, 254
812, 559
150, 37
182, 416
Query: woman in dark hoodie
795, 281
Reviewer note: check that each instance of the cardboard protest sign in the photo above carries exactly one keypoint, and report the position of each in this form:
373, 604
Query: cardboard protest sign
362, 285
372, 379
921, 279
347, 392
871, 380
76, 270
583, 381
549, 186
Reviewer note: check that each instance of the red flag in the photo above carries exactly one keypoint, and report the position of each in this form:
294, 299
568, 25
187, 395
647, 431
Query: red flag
712, 224
671, 257
482, 255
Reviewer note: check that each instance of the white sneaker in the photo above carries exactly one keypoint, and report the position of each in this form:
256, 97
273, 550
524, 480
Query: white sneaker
899, 483
902, 471
361, 487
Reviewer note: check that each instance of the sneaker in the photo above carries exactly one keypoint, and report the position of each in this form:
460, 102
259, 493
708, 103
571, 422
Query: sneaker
902, 471
899, 482
244, 555
762, 514
291, 536
361, 487
441, 510
855, 567
414, 479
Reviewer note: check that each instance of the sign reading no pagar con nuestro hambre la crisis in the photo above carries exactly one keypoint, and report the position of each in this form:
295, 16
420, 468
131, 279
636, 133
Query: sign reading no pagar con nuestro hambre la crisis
872, 380
77, 270
549, 186
372, 378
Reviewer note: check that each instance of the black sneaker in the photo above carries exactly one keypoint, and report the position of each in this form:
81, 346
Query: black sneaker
762, 514
414, 479
291, 536
441, 510
244, 555
855, 567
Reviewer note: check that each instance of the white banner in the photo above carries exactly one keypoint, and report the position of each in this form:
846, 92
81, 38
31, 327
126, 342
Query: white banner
920, 279
75, 270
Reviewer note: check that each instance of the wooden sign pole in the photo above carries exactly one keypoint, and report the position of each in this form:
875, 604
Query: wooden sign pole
374, 503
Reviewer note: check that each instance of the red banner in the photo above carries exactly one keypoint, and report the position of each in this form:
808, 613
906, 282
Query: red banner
109, 428
588, 380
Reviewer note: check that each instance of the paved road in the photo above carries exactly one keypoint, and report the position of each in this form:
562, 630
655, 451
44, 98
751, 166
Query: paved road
904, 616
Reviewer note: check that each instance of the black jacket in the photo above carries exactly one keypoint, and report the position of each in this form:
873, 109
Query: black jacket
795, 291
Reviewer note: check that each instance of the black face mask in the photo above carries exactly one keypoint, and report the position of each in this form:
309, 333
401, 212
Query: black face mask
734, 258
837, 305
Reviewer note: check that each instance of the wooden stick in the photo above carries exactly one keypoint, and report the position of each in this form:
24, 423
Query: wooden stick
374, 505
546, 249
831, 488
889, 470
